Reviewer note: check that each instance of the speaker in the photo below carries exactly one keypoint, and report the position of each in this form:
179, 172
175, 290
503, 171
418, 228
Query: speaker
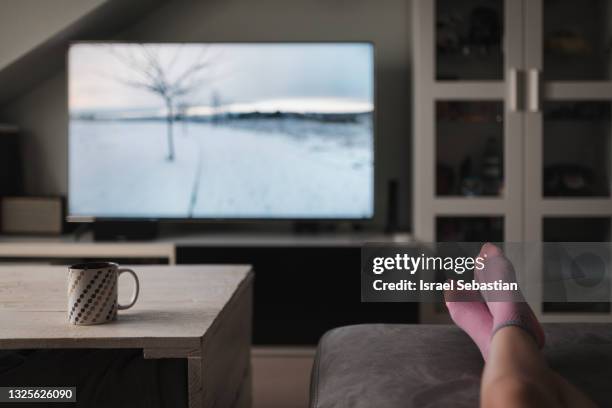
392, 221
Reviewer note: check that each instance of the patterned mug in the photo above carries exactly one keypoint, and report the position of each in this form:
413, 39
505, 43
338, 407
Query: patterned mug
92, 292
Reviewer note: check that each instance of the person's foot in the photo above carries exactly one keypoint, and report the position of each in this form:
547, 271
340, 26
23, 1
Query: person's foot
506, 309
472, 317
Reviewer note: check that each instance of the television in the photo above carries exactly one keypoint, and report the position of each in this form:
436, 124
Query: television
221, 131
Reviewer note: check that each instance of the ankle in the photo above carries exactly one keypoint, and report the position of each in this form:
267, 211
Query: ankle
517, 314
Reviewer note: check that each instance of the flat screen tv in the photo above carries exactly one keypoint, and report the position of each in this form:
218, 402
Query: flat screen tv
221, 131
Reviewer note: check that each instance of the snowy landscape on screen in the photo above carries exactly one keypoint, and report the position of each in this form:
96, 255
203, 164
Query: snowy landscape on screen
221, 131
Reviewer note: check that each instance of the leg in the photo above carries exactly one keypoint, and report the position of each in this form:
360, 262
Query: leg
516, 375
510, 338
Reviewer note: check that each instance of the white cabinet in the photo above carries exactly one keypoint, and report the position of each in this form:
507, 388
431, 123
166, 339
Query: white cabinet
512, 125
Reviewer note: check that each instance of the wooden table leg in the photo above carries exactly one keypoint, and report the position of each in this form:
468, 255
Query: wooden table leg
219, 373
226, 354
194, 370
194, 381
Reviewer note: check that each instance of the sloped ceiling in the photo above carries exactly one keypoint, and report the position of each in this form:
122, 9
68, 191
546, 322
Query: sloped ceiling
26, 24
35, 35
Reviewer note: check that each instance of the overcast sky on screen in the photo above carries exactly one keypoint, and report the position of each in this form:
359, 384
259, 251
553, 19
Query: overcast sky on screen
237, 73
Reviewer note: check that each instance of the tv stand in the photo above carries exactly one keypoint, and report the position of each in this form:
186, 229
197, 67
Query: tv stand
125, 231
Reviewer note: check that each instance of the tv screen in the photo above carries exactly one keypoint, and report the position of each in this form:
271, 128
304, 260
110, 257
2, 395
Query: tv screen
221, 131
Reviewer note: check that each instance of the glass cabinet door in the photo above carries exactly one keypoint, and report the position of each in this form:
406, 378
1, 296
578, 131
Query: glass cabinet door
469, 148
577, 40
568, 133
469, 40
576, 148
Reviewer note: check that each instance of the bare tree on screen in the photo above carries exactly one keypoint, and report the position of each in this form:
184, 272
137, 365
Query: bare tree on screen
169, 77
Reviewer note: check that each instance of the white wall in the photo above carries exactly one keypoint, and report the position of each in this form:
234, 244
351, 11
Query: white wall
42, 113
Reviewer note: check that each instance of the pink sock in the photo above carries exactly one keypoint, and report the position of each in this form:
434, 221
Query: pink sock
474, 319
507, 309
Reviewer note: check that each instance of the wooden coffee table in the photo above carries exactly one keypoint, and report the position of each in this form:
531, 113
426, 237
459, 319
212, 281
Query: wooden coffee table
200, 313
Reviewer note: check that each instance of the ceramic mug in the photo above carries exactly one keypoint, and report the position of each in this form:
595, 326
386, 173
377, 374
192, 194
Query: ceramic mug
92, 292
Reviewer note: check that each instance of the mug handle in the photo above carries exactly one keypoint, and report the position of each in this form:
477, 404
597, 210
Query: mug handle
136, 288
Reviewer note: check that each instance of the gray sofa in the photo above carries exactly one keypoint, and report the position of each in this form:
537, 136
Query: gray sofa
402, 366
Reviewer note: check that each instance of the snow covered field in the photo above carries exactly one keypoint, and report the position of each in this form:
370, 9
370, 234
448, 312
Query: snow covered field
258, 168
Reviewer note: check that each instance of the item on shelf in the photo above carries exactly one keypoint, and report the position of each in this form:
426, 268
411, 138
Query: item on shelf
455, 35
599, 111
492, 168
10, 163
567, 42
448, 38
471, 184
31, 215
568, 180
445, 179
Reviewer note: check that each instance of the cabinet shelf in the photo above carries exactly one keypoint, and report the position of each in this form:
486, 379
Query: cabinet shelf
469, 90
